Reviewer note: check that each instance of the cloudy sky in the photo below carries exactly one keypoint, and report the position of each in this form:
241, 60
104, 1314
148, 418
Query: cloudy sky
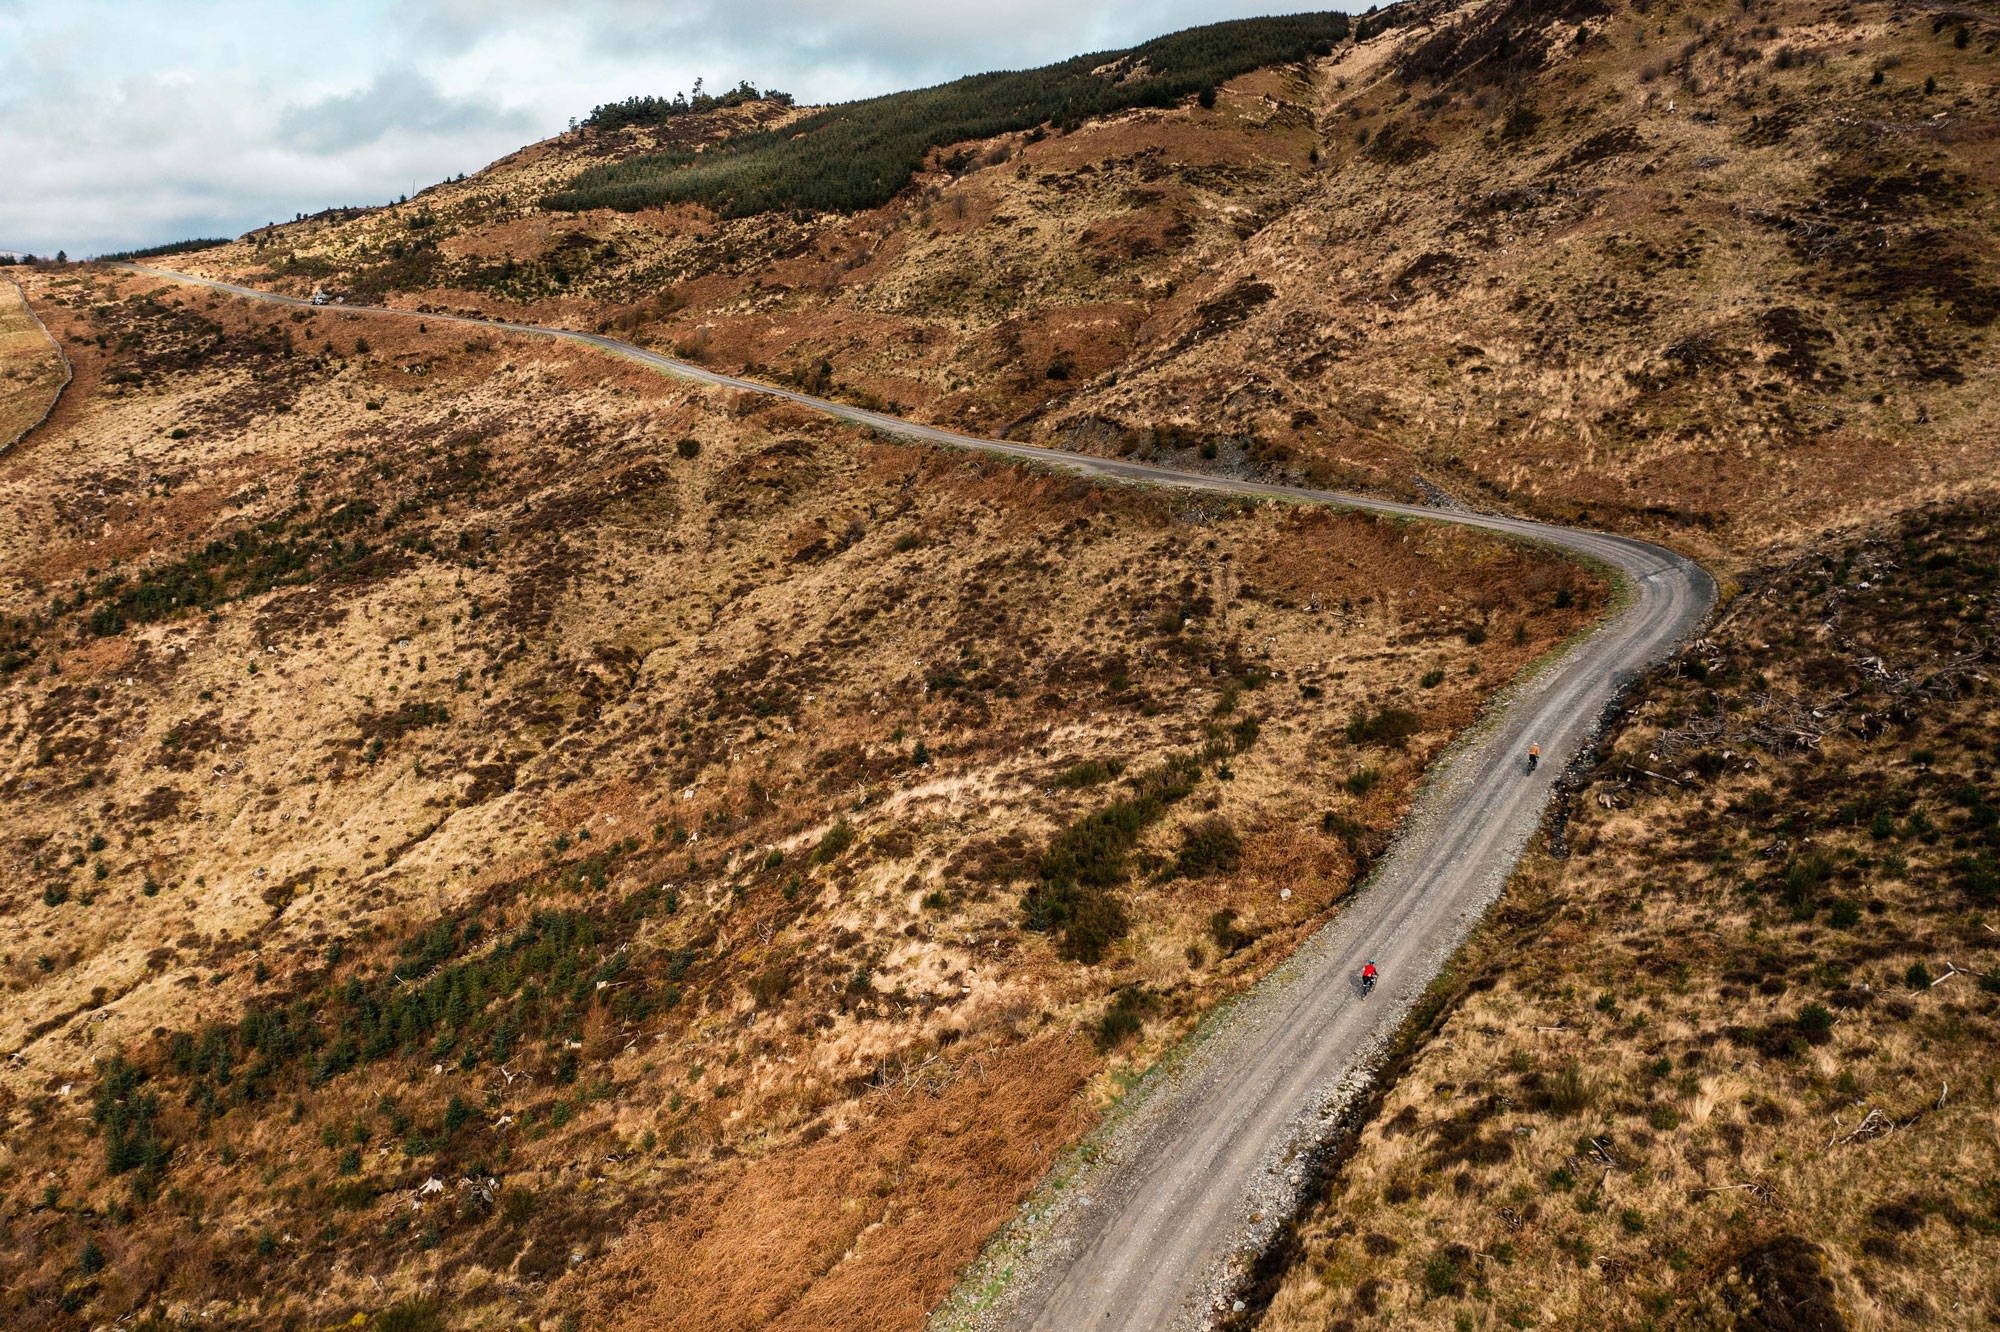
132, 122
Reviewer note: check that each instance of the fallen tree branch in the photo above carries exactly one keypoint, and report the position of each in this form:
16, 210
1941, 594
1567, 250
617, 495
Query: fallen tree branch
1873, 1125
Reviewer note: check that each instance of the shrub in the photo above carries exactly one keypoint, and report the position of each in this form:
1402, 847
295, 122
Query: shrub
688, 448
1521, 123
838, 838
91, 1261
1441, 1272
1432, 678
770, 985
1385, 726
1355, 835
1978, 876
1222, 929
1123, 1019
1815, 1022
1089, 919
1918, 977
128, 1120
1363, 780
243, 563
1208, 847
1803, 877
423, 1314
1568, 1093
1092, 850
1089, 773
1086, 859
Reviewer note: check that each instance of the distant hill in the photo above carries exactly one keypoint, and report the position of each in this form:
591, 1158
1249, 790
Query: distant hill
1683, 271
162, 251
861, 154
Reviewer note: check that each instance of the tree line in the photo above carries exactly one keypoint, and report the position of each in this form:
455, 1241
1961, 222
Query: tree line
171, 247
659, 110
860, 154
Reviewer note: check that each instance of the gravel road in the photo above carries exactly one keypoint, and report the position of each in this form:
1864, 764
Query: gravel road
1208, 1155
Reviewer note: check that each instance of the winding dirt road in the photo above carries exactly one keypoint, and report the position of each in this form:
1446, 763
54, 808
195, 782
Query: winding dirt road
1209, 1153
62, 359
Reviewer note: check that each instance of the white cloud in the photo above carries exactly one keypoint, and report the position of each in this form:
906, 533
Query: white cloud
396, 101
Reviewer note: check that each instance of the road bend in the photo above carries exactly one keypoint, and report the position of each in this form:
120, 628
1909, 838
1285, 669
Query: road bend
1210, 1153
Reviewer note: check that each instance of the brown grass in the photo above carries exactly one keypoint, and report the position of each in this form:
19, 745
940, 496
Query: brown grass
1695, 1075
1703, 305
30, 369
708, 665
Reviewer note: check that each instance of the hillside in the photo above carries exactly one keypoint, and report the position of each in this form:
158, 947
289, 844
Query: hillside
31, 371
1689, 271
671, 822
498, 837
1728, 1061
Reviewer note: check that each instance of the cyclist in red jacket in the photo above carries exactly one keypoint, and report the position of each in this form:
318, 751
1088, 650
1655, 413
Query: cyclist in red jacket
1368, 976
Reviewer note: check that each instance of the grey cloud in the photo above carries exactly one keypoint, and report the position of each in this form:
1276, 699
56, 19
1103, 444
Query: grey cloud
398, 101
